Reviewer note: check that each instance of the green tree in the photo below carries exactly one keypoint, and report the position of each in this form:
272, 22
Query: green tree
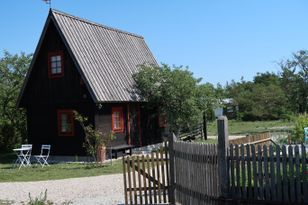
262, 99
294, 76
13, 69
175, 92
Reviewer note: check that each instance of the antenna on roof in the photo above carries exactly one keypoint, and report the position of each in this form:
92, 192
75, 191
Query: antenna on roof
48, 2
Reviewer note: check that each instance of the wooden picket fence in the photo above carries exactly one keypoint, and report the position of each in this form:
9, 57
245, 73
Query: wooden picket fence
190, 173
268, 173
146, 177
258, 138
196, 172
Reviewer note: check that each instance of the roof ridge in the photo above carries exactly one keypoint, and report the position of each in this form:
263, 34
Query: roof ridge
94, 23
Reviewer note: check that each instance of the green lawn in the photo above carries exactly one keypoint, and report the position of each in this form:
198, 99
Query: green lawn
243, 128
54, 171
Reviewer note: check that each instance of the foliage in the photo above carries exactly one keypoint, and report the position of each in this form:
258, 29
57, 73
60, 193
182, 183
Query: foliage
256, 100
294, 76
175, 92
94, 139
301, 122
40, 200
13, 69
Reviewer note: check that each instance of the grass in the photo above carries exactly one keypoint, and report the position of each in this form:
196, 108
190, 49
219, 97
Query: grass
243, 128
54, 171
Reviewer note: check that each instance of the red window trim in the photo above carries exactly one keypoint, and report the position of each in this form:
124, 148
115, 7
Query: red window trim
120, 110
71, 117
56, 53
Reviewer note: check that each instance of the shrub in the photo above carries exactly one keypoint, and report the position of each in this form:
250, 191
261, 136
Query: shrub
94, 139
40, 200
301, 121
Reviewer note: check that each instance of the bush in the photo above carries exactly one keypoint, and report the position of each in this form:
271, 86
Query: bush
301, 121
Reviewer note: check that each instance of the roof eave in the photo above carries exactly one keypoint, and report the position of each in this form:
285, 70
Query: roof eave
37, 49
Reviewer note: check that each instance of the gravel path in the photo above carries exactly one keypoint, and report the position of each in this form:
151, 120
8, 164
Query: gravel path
103, 190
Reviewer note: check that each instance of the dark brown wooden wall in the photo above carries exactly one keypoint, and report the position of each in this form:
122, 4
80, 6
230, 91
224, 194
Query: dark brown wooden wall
44, 96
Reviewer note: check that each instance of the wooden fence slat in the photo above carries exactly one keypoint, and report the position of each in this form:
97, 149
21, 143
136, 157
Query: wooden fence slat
255, 174
272, 174
144, 181
187, 173
249, 177
129, 180
162, 162
298, 189
304, 175
232, 170
291, 173
134, 180
237, 167
211, 169
139, 180
167, 167
285, 175
260, 174
158, 176
125, 183
149, 181
243, 171
266, 174
154, 176
278, 174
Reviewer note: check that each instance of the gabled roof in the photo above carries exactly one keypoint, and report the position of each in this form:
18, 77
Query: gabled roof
105, 57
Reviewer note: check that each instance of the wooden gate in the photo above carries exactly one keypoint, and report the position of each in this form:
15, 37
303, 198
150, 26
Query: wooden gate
146, 178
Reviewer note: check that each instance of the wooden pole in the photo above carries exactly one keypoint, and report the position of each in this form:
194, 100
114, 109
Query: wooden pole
204, 125
223, 144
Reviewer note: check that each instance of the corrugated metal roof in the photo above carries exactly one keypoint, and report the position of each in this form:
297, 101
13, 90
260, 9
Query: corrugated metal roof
107, 57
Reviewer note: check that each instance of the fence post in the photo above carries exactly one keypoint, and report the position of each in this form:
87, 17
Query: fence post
171, 191
223, 144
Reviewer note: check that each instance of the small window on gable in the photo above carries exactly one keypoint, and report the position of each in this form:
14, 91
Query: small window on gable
117, 121
55, 64
65, 122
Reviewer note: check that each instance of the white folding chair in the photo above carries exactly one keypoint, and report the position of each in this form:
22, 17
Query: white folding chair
27, 153
24, 155
43, 157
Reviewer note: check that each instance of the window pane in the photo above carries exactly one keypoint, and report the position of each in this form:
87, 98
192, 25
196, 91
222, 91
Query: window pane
53, 71
64, 122
53, 58
53, 64
116, 120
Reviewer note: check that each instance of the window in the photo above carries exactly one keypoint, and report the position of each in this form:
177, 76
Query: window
55, 64
65, 122
117, 119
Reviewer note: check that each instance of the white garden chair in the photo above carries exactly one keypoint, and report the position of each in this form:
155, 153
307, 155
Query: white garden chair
43, 157
23, 155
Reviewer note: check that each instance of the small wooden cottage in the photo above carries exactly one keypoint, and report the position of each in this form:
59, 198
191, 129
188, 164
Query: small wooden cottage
84, 66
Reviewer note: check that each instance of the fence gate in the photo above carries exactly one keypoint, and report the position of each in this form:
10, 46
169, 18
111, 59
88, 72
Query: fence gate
146, 178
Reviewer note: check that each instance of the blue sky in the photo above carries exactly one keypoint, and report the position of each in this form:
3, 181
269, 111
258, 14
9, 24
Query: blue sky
218, 40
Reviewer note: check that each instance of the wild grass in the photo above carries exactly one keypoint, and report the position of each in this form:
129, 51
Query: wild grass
244, 128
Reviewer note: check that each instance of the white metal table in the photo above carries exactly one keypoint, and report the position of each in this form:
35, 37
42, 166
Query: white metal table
23, 156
